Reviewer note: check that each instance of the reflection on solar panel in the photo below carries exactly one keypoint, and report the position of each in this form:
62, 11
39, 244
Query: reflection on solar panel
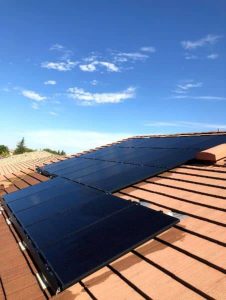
128, 162
72, 230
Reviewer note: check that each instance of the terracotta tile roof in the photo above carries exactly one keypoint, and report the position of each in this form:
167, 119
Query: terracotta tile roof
185, 262
19, 162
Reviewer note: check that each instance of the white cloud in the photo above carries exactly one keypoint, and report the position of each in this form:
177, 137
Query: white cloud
91, 58
65, 53
189, 85
188, 124
217, 98
87, 98
62, 66
56, 47
178, 96
116, 60
33, 95
185, 87
70, 140
91, 67
50, 82
109, 66
148, 49
210, 39
189, 56
213, 56
179, 91
205, 98
88, 68
124, 56
182, 92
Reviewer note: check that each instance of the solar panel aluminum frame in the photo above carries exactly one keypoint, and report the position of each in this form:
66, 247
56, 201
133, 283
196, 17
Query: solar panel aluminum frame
48, 275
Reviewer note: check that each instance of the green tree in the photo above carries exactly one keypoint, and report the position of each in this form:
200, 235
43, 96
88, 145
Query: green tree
21, 148
4, 150
54, 151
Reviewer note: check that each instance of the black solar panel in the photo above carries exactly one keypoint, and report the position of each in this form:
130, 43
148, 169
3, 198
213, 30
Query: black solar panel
143, 156
72, 230
117, 177
128, 162
180, 142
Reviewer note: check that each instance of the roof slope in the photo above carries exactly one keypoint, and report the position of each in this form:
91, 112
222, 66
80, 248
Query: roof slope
185, 262
22, 161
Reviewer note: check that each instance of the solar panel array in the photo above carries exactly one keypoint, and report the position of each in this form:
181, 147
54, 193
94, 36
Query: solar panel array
72, 230
73, 226
120, 165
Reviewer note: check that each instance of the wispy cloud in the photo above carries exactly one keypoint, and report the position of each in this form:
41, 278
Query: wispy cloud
178, 96
149, 49
189, 85
33, 95
183, 91
109, 66
205, 98
125, 56
56, 47
63, 62
189, 56
213, 56
63, 51
112, 62
210, 39
188, 124
50, 82
186, 86
217, 98
61, 66
91, 67
88, 98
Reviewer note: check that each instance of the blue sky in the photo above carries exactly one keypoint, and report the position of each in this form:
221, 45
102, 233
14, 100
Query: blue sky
77, 74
